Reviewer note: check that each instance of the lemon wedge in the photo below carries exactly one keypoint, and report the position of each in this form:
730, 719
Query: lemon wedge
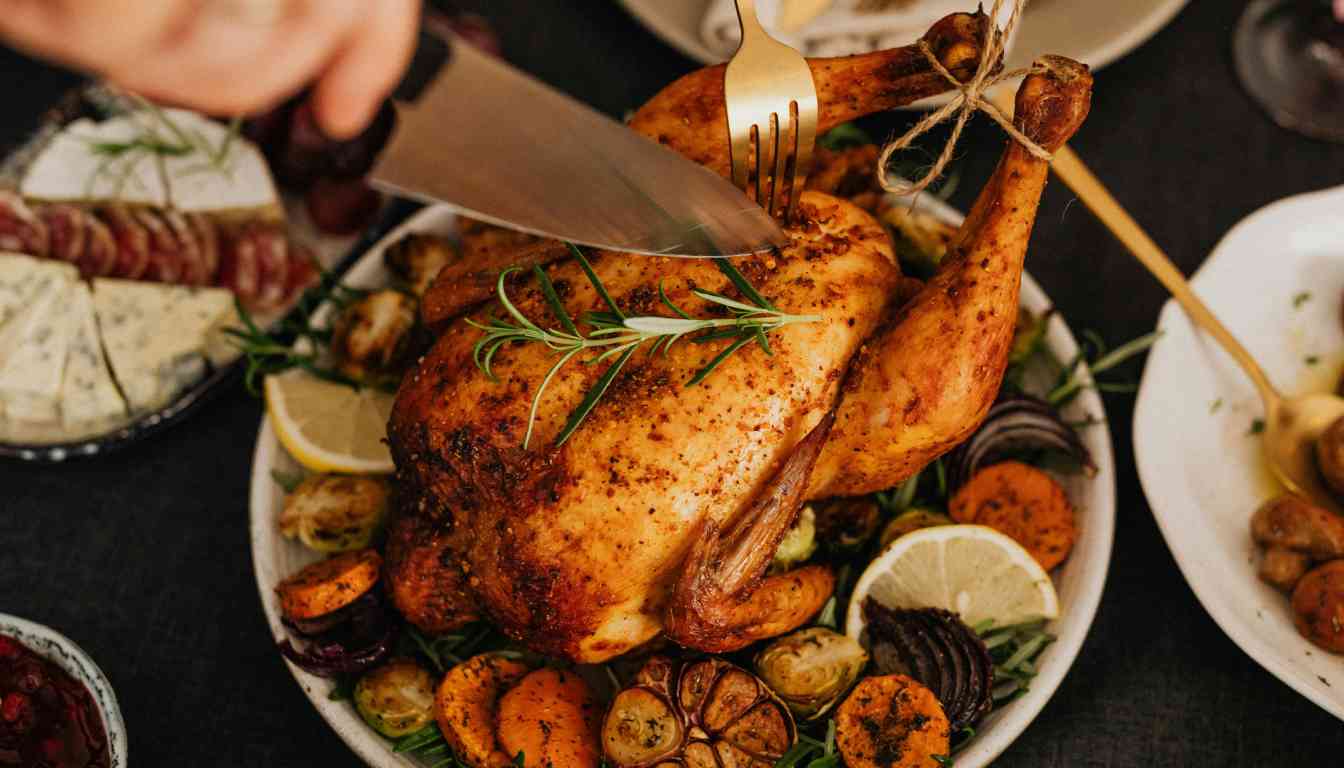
970, 570
330, 427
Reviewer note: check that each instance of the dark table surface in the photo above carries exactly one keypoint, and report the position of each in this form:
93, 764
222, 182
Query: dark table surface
142, 557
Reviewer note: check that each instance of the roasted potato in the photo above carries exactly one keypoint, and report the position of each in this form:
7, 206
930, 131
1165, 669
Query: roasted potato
1318, 606
1330, 456
1291, 522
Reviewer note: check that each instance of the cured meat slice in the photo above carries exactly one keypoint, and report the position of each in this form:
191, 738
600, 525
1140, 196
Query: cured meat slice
239, 267
208, 242
100, 248
66, 231
21, 230
273, 258
304, 271
165, 257
188, 249
132, 242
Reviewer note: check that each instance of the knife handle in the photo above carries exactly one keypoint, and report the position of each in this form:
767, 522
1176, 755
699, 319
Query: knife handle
432, 53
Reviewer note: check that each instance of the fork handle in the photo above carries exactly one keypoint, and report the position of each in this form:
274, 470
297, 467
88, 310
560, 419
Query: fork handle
749, 20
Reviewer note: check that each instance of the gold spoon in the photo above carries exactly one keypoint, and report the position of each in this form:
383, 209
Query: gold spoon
1292, 424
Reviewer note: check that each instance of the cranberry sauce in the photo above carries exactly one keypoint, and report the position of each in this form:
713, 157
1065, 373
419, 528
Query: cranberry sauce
47, 718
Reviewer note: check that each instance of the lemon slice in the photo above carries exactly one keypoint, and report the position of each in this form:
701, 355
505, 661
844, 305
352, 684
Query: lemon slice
330, 427
971, 570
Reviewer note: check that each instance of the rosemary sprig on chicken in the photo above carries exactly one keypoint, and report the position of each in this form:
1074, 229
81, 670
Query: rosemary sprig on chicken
615, 335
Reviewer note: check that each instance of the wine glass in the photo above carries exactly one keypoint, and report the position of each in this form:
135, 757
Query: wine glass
1290, 56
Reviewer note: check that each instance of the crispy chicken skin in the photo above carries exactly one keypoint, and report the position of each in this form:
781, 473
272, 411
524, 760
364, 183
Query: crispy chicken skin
689, 117
924, 385
577, 551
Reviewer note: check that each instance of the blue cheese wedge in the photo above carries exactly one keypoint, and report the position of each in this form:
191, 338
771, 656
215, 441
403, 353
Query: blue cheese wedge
33, 349
88, 395
92, 162
24, 277
156, 336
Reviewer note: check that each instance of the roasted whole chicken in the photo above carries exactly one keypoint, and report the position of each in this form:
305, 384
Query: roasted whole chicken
661, 514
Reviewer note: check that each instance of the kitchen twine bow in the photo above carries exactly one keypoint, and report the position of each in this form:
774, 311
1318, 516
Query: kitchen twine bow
970, 98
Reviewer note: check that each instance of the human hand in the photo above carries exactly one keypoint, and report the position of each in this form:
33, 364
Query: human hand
230, 56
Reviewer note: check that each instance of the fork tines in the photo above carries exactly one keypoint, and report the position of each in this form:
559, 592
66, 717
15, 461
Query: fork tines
772, 116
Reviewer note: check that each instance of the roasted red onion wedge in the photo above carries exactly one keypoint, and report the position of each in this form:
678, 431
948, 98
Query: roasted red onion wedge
1016, 424
936, 648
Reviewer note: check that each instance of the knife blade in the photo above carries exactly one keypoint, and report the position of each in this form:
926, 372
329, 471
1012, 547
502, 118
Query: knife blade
505, 148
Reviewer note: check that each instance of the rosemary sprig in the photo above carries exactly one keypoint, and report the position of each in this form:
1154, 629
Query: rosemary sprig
429, 746
615, 336
1070, 383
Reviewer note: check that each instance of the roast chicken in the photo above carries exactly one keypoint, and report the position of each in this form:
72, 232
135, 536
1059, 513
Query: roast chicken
660, 514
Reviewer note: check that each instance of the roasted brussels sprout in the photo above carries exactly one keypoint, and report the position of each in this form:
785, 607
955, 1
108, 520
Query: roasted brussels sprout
912, 520
1330, 456
847, 524
936, 648
417, 259
335, 513
799, 543
372, 339
397, 698
704, 712
811, 669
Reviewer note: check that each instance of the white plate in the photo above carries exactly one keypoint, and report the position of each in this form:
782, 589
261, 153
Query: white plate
62, 651
1094, 32
1079, 581
1202, 473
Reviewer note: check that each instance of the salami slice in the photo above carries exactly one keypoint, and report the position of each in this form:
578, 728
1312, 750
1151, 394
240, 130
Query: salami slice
239, 268
66, 231
100, 248
207, 241
21, 230
304, 271
165, 253
132, 242
188, 248
273, 258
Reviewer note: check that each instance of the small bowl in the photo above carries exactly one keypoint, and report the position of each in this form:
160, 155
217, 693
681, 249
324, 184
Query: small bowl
62, 651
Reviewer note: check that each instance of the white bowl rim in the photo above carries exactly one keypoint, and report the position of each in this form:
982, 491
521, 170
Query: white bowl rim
1122, 43
1072, 627
79, 665
1260, 651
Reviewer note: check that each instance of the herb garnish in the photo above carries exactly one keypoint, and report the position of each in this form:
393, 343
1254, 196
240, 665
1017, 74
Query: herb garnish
162, 138
615, 336
1014, 650
429, 745
1070, 383
1301, 298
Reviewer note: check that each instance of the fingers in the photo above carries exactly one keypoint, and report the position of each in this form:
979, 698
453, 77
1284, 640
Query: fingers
365, 71
228, 61
88, 34
230, 56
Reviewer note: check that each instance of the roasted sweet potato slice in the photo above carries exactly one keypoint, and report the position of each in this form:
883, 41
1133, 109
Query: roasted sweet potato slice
466, 703
328, 585
551, 717
891, 722
1023, 503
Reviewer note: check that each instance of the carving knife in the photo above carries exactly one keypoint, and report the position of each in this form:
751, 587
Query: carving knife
503, 147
